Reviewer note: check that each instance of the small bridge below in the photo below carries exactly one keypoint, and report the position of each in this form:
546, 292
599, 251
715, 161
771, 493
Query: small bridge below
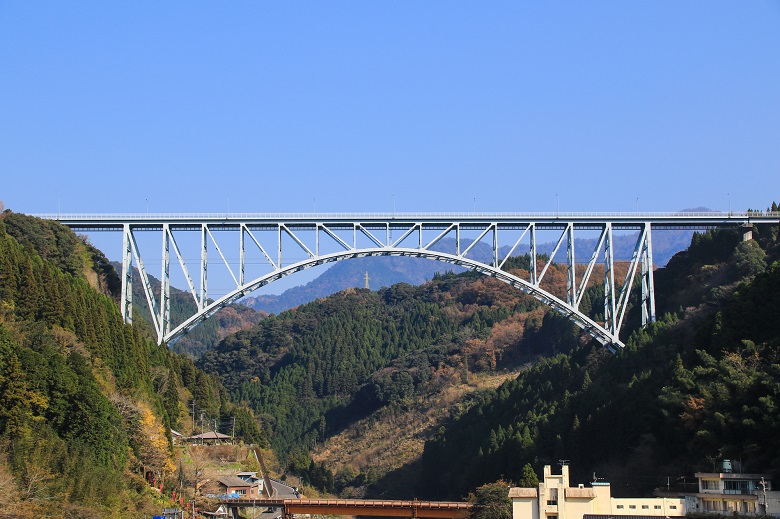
366, 507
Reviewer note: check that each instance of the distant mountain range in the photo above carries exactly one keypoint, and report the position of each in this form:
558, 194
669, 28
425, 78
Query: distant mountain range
389, 270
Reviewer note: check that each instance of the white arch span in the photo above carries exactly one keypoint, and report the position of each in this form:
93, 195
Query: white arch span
583, 321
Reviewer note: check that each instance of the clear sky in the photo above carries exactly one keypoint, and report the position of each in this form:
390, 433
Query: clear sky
354, 106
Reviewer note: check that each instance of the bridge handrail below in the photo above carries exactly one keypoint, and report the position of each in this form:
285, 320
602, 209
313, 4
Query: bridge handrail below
369, 507
390, 503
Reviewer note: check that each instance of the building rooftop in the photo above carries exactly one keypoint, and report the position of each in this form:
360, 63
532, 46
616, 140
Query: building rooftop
211, 435
234, 481
730, 475
522, 492
582, 493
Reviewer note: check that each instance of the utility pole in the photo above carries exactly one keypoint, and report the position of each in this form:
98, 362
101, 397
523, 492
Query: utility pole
193, 416
763, 485
233, 433
201, 422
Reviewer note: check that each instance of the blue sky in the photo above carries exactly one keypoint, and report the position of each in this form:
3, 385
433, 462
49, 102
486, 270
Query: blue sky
354, 106
373, 106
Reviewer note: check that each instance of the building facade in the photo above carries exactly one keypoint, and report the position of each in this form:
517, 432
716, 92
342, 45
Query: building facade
555, 498
732, 492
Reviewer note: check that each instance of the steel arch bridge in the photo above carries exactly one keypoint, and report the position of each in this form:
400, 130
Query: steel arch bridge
277, 241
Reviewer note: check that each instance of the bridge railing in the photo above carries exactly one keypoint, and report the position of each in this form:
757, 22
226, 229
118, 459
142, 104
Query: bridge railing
407, 215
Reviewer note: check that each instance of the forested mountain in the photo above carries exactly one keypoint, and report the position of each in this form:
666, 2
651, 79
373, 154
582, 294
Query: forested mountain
330, 373
702, 384
362, 380
86, 402
322, 370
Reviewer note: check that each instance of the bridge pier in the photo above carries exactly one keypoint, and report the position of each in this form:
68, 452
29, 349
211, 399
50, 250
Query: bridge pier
747, 232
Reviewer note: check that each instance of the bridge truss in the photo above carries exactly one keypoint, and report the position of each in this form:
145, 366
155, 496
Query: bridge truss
275, 246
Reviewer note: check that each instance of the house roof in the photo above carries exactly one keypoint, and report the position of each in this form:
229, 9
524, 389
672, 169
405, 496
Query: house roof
176, 434
221, 511
211, 435
522, 492
586, 493
233, 481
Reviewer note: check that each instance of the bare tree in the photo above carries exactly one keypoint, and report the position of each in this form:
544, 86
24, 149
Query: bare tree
199, 460
9, 491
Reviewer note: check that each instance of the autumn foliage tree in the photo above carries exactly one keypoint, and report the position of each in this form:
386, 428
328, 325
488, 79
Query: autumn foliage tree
152, 445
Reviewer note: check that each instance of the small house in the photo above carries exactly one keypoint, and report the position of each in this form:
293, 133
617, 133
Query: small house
236, 487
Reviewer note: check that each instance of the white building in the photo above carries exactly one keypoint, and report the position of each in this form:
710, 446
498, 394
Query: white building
556, 499
730, 492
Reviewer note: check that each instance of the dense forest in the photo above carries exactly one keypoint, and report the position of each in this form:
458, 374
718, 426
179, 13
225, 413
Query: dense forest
313, 372
87, 401
700, 385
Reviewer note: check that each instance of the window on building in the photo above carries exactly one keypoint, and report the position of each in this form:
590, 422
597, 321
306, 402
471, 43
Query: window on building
672, 507
712, 506
620, 507
709, 484
632, 507
736, 487
656, 507
645, 507
552, 496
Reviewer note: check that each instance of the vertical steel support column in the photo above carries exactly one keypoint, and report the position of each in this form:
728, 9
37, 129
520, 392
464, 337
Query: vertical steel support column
533, 271
648, 288
495, 245
457, 239
317, 239
279, 237
571, 278
165, 290
204, 251
127, 276
241, 255
610, 322
419, 241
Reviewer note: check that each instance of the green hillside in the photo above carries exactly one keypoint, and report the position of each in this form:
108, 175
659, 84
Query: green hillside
314, 373
699, 385
702, 384
86, 402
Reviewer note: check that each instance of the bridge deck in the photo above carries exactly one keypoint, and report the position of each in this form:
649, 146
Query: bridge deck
368, 507
687, 220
